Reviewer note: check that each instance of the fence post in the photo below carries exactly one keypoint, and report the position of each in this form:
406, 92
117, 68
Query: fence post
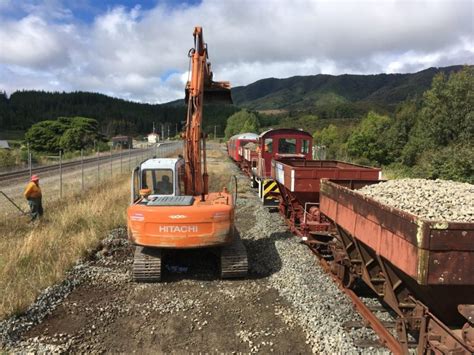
111, 163
82, 170
60, 174
29, 159
121, 159
98, 165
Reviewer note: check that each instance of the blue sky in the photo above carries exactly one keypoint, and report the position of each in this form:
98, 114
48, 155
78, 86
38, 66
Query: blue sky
87, 10
138, 49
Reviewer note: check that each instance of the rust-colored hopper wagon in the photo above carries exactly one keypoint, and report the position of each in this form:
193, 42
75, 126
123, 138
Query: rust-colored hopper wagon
422, 268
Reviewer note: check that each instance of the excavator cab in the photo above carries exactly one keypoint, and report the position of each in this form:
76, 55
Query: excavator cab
163, 177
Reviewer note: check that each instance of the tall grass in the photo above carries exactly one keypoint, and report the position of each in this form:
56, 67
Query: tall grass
33, 257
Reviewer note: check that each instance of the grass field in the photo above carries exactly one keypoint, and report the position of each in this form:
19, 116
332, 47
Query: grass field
35, 256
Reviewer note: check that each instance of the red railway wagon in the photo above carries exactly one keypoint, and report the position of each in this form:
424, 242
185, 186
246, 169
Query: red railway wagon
235, 144
423, 269
250, 159
277, 144
299, 185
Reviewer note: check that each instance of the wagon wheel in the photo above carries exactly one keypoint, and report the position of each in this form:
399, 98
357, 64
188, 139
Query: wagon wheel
347, 278
344, 274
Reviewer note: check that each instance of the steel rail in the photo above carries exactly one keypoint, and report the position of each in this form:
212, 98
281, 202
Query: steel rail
386, 338
46, 168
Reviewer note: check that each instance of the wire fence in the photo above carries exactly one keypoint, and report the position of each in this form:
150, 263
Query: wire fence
66, 179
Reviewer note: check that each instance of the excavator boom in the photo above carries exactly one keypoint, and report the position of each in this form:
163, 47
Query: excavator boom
199, 89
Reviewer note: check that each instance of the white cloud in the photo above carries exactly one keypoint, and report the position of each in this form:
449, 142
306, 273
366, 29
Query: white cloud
31, 42
128, 52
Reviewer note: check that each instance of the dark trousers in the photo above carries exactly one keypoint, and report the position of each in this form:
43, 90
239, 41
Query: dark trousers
36, 207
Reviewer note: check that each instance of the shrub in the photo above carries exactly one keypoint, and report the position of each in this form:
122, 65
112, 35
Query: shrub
455, 162
7, 158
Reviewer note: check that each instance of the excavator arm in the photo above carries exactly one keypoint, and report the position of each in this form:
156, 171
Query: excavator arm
199, 89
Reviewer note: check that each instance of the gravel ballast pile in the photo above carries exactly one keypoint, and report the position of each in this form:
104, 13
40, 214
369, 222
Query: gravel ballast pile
437, 200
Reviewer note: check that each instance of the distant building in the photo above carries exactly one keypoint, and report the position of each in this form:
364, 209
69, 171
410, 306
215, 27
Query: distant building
153, 138
4, 145
123, 142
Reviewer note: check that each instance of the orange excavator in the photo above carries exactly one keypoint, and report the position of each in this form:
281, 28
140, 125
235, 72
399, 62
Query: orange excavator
171, 207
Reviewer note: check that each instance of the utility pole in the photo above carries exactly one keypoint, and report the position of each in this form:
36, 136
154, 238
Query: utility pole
215, 132
176, 127
168, 131
162, 132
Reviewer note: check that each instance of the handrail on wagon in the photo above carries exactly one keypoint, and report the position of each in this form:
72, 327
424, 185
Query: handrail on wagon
306, 212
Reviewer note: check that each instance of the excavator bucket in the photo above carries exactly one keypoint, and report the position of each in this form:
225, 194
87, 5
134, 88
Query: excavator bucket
215, 93
218, 93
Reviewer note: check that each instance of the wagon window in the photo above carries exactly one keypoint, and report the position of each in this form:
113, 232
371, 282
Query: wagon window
287, 146
305, 146
268, 145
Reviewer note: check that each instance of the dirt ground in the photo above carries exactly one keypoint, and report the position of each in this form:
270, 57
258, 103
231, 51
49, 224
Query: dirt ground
191, 311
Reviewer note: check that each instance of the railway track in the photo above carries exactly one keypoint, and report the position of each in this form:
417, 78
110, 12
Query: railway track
382, 328
68, 165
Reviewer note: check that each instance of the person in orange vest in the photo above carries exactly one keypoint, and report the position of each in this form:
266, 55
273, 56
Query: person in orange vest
33, 196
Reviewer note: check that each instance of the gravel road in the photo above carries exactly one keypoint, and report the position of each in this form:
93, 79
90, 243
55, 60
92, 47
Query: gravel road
286, 305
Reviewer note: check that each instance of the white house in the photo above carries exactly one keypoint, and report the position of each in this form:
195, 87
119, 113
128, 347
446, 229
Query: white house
153, 137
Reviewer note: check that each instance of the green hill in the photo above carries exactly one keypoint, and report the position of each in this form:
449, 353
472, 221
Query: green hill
335, 96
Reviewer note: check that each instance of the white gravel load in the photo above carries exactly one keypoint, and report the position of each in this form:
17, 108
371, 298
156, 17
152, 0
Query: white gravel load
437, 200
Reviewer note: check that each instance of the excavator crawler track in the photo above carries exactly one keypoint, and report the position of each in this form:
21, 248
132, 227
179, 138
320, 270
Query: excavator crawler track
234, 261
147, 264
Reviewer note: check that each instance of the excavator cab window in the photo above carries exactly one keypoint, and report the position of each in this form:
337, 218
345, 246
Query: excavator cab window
181, 182
135, 188
159, 181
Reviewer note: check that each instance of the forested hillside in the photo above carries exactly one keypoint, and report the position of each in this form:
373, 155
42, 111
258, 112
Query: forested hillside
115, 116
341, 96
